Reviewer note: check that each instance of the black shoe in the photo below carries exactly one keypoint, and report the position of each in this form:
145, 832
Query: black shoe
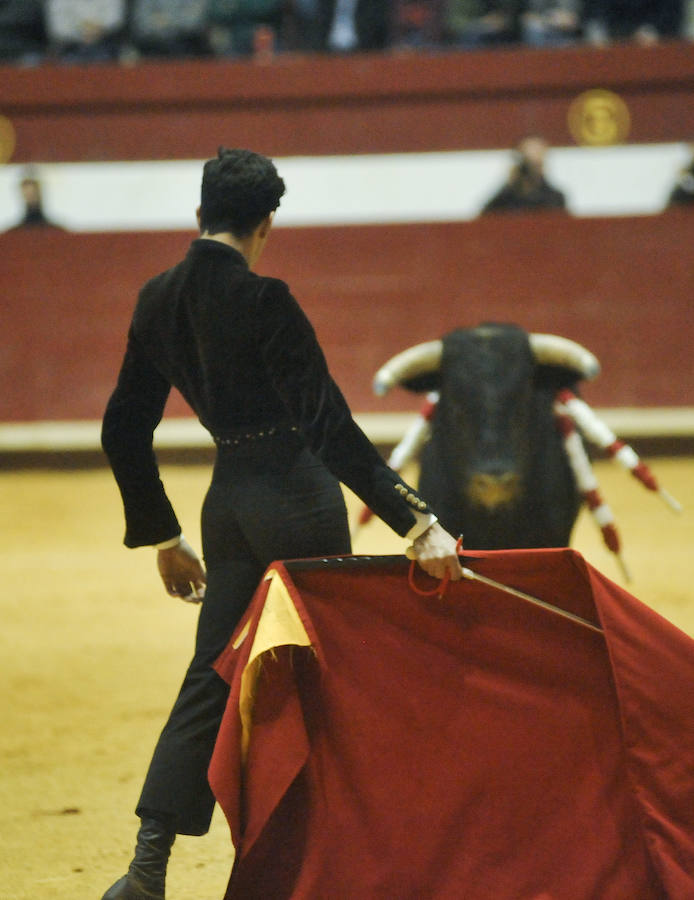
146, 876
127, 889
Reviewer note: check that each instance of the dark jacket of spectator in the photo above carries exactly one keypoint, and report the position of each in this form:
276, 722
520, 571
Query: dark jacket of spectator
22, 33
417, 23
639, 19
512, 197
526, 186
176, 28
34, 216
369, 21
682, 193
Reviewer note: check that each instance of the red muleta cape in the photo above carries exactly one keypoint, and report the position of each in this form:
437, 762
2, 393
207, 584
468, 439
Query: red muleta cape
378, 744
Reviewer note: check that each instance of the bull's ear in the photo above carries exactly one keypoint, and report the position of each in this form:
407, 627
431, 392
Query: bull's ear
552, 350
409, 367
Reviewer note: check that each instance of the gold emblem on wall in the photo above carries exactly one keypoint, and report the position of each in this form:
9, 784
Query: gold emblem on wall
599, 118
7, 139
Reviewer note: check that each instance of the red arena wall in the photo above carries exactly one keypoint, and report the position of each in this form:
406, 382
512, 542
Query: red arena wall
623, 285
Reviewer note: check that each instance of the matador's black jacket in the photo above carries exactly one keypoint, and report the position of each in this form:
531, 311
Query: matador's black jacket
245, 357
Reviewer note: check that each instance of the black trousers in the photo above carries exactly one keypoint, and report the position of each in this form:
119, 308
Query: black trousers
270, 501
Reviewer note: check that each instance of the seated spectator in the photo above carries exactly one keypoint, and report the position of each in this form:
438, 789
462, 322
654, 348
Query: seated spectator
473, 24
33, 215
85, 30
682, 193
22, 34
175, 28
526, 187
245, 27
417, 24
551, 23
301, 26
643, 21
342, 26
688, 20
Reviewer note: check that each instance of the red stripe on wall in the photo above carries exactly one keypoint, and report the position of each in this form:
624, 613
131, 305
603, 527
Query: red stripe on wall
622, 287
310, 105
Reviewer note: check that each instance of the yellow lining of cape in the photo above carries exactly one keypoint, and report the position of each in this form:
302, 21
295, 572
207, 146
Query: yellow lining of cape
279, 625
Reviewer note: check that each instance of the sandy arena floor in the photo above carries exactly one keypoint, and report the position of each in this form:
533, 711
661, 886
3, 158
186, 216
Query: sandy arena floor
92, 652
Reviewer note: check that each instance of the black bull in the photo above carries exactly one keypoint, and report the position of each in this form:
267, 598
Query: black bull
495, 469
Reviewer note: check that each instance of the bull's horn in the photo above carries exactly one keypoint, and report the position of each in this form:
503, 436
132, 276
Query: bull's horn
417, 360
552, 350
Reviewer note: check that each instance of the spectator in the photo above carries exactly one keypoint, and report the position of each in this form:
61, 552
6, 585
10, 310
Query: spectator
33, 216
682, 193
526, 187
688, 20
343, 26
245, 27
173, 28
472, 24
644, 21
86, 30
301, 26
551, 23
22, 34
417, 24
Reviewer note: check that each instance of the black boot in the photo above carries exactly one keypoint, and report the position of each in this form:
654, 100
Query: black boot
147, 873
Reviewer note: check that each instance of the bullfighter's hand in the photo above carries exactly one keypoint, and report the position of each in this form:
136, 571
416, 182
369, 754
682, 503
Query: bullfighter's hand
436, 552
182, 572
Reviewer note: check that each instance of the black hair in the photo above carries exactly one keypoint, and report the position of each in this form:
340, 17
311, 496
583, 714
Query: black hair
239, 189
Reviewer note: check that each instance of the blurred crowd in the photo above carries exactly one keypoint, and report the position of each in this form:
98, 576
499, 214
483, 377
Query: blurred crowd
76, 31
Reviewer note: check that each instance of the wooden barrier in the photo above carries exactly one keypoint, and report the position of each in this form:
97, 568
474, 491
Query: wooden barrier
368, 103
621, 286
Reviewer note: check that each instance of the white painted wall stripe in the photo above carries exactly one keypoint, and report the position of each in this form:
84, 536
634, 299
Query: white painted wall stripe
381, 428
350, 190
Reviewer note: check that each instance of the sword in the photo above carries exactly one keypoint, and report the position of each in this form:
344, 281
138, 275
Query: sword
497, 585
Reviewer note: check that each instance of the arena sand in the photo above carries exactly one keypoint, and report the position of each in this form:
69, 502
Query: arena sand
92, 652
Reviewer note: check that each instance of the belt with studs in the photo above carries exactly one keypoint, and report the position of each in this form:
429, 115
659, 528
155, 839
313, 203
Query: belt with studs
243, 438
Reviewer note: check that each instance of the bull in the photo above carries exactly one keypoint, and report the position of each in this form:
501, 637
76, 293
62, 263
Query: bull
494, 464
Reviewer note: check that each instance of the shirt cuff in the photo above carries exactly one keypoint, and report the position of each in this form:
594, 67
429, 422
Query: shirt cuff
172, 542
423, 521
